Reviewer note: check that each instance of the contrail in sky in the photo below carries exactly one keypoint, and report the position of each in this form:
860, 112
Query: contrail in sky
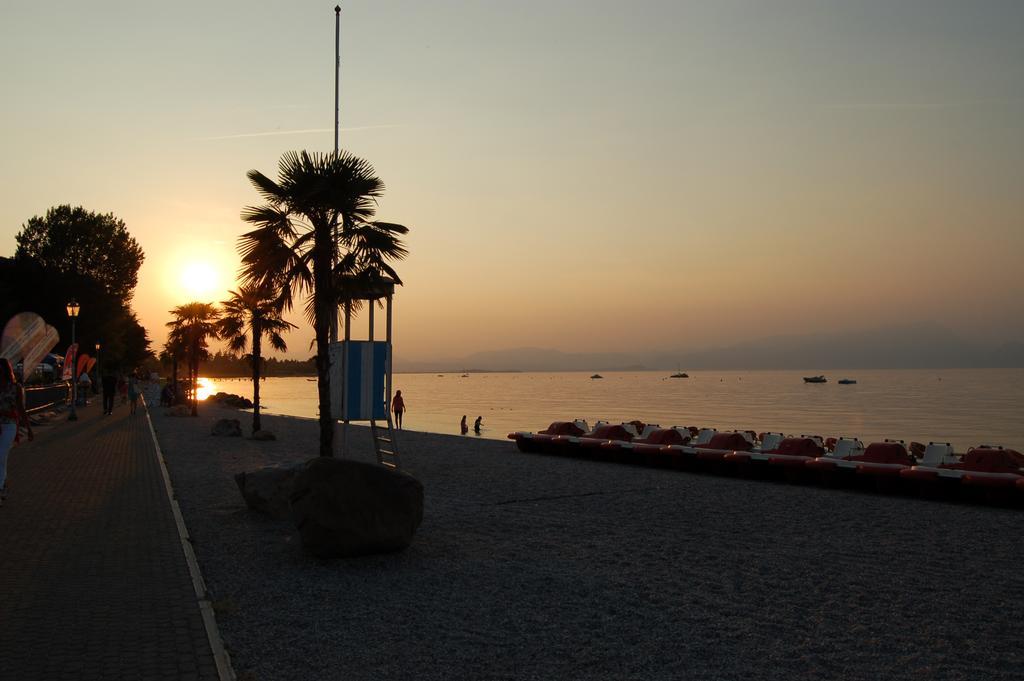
306, 131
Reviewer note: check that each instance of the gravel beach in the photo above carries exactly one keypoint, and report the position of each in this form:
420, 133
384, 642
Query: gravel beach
533, 567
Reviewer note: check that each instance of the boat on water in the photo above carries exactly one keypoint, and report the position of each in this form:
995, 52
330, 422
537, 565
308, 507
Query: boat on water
846, 381
597, 376
815, 379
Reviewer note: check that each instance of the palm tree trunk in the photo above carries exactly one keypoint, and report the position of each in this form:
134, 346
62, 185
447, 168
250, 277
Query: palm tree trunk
194, 370
323, 299
256, 338
174, 379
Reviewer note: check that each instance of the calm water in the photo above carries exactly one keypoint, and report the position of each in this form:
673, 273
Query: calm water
966, 407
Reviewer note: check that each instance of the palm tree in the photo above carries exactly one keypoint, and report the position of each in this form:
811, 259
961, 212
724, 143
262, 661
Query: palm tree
174, 349
193, 325
314, 236
256, 312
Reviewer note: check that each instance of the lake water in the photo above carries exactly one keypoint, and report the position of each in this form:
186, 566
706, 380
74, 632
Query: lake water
966, 407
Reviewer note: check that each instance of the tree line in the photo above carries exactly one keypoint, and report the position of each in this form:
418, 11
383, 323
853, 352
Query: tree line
232, 365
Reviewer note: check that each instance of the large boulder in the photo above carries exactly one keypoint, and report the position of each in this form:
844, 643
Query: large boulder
266, 490
227, 428
263, 435
229, 400
349, 508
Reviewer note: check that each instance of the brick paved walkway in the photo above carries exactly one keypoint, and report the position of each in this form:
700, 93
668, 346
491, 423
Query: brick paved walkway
93, 580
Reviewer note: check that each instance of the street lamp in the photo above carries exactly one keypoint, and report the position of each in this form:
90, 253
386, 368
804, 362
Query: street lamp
97, 381
73, 308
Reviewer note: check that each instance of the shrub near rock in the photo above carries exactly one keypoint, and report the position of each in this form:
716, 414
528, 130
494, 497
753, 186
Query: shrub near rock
349, 508
227, 428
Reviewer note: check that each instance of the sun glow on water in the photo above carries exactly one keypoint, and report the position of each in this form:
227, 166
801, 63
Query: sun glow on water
205, 387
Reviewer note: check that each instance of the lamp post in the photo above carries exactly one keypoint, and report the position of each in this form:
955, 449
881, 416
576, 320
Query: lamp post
98, 367
73, 308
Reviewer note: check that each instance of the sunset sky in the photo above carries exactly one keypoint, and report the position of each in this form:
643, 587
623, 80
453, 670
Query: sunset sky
577, 174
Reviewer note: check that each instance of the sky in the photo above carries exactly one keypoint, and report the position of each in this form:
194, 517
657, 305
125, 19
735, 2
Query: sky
582, 175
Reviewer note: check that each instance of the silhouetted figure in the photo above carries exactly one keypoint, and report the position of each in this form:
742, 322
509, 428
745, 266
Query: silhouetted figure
463, 426
109, 388
398, 406
476, 424
167, 395
12, 416
133, 392
84, 383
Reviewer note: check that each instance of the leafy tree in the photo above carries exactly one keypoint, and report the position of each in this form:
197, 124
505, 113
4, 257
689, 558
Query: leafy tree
75, 240
255, 312
314, 235
193, 325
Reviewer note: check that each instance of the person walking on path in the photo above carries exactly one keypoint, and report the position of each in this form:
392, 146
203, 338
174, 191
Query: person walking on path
398, 406
84, 383
462, 426
133, 393
109, 386
476, 424
12, 415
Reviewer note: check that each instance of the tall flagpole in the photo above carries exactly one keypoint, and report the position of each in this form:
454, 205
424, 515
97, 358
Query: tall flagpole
337, 74
334, 240
337, 69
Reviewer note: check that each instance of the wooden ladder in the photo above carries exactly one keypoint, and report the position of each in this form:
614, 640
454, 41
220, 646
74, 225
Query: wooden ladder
384, 443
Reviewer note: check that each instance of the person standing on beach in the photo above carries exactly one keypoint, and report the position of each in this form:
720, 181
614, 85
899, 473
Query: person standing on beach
12, 414
462, 426
398, 406
476, 424
109, 386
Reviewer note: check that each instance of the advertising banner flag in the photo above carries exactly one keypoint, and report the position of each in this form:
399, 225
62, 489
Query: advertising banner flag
69, 363
83, 364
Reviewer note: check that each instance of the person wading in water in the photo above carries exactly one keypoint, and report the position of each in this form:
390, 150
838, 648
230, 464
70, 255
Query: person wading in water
398, 406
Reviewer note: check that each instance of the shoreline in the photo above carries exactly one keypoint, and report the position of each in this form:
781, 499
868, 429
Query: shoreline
538, 567
965, 409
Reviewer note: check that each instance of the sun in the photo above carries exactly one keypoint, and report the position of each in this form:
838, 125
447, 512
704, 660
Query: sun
200, 279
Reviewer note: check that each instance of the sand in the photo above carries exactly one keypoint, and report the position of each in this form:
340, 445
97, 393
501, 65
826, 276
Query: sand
534, 567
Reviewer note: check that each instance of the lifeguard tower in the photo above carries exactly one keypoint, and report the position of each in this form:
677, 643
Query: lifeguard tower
361, 373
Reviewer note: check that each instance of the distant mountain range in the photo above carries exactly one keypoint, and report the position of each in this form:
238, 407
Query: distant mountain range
918, 346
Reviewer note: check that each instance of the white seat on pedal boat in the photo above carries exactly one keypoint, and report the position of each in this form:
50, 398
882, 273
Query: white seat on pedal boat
648, 429
771, 441
938, 453
845, 448
705, 436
